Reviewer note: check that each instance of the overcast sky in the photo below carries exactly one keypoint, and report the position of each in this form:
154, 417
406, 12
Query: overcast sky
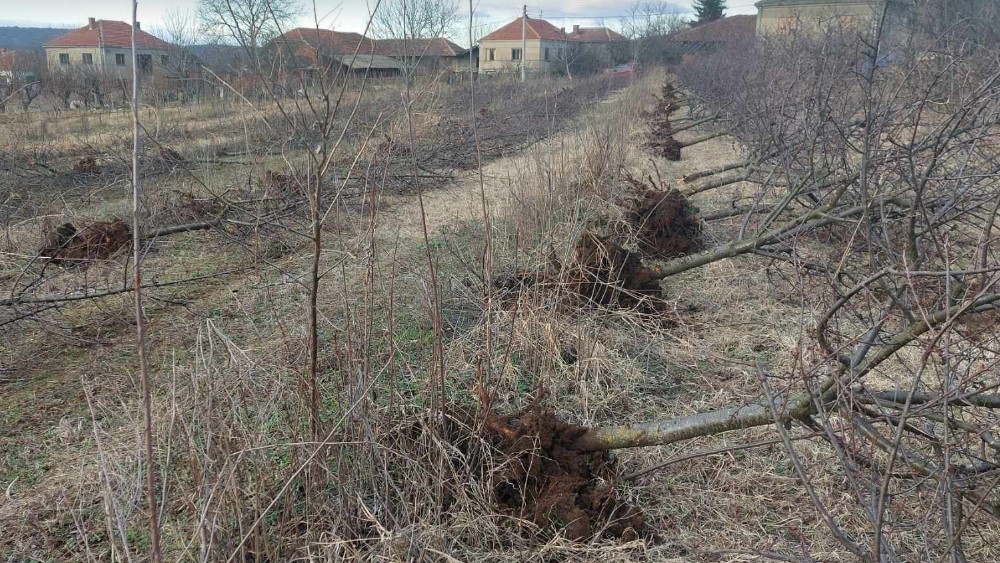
343, 15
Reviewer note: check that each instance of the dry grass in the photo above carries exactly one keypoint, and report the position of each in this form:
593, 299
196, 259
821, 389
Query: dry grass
230, 353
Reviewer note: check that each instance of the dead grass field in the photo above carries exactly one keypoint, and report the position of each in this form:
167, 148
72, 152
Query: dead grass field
227, 353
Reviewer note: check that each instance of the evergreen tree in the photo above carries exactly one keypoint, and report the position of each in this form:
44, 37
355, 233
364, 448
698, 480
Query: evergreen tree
708, 11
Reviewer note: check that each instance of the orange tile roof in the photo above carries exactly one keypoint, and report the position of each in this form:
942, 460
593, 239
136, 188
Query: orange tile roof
108, 33
595, 35
719, 31
328, 41
434, 47
541, 29
535, 29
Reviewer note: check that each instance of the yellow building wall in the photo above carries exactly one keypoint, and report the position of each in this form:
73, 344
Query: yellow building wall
534, 57
783, 19
104, 59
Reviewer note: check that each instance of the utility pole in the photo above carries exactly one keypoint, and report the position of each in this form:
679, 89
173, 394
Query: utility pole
524, 38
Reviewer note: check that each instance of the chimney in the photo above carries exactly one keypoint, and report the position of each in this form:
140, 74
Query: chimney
562, 30
576, 29
91, 22
137, 26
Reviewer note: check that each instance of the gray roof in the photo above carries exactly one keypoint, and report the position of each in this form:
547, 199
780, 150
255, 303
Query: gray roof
363, 61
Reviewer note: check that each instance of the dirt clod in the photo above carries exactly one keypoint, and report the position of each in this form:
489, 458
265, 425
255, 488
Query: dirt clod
665, 221
97, 241
557, 487
170, 156
86, 165
276, 183
661, 140
611, 275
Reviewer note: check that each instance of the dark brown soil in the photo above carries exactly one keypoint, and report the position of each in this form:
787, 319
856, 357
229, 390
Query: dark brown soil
557, 487
661, 141
276, 183
86, 165
602, 273
665, 221
608, 274
96, 241
664, 145
170, 156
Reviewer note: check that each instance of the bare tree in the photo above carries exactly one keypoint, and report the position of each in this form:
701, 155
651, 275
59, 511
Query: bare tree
415, 19
62, 84
646, 24
250, 23
24, 82
180, 29
408, 23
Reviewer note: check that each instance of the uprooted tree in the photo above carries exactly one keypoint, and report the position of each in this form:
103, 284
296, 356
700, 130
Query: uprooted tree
895, 164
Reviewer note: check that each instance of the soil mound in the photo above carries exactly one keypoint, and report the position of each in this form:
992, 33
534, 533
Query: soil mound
86, 165
664, 144
276, 183
602, 272
666, 222
554, 486
96, 241
611, 275
661, 141
170, 156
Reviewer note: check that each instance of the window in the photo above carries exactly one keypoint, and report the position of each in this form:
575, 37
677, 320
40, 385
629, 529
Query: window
545, 53
64, 58
163, 60
848, 22
788, 25
515, 54
145, 63
491, 54
88, 58
120, 59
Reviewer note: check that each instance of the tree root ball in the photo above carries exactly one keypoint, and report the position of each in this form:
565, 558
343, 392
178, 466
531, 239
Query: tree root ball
556, 487
666, 223
97, 241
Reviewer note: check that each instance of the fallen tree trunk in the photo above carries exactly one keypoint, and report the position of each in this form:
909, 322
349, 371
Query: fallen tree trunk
664, 432
175, 229
100, 293
702, 139
713, 171
741, 176
799, 407
809, 221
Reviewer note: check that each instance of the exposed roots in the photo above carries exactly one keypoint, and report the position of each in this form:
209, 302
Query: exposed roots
608, 274
96, 241
665, 221
661, 140
86, 165
547, 482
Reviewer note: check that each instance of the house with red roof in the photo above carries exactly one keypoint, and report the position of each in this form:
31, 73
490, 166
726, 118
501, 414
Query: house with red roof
106, 46
312, 51
540, 46
712, 36
17, 66
433, 54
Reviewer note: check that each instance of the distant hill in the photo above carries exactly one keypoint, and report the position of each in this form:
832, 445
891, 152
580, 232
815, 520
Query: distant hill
33, 38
